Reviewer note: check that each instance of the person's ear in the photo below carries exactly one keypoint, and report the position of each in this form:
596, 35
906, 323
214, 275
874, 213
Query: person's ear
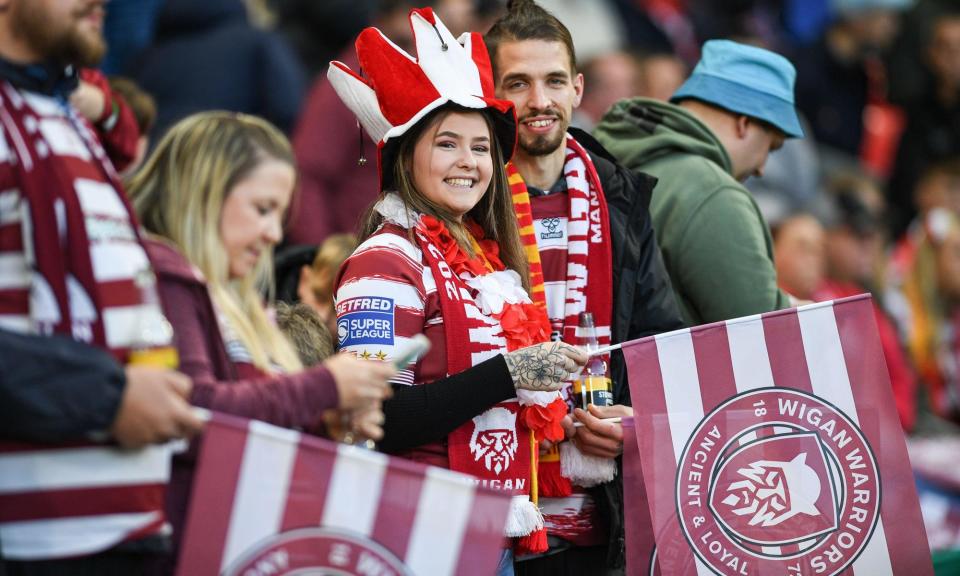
305, 284
742, 126
578, 88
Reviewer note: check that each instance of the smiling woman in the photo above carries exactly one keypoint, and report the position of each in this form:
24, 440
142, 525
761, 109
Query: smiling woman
453, 167
440, 255
213, 196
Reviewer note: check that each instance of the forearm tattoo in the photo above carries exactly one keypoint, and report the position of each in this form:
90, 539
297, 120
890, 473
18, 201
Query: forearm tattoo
538, 367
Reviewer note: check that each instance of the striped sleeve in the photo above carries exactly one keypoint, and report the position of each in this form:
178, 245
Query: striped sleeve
380, 300
14, 269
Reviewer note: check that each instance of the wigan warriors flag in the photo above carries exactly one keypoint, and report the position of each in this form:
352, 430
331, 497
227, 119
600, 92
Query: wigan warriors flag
770, 445
268, 500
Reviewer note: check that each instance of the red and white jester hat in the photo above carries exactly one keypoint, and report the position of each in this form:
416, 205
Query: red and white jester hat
400, 90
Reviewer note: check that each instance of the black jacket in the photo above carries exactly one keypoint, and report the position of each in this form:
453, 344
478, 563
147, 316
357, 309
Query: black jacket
53, 389
643, 300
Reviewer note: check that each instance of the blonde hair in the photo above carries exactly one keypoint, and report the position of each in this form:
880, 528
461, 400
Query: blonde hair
179, 195
330, 256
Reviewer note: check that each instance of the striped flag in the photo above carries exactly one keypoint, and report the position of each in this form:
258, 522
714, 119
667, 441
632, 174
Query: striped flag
770, 445
268, 500
61, 501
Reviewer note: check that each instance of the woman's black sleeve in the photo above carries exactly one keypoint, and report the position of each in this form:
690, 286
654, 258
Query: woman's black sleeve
418, 415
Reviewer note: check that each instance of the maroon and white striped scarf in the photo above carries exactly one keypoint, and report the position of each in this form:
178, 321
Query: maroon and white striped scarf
589, 277
66, 295
79, 240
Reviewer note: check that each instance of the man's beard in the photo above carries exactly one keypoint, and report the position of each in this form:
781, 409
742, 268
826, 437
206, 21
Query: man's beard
543, 144
66, 45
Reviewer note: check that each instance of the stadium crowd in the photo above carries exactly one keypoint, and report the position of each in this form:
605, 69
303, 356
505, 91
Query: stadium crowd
255, 206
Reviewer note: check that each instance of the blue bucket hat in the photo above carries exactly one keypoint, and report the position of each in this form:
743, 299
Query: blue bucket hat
746, 80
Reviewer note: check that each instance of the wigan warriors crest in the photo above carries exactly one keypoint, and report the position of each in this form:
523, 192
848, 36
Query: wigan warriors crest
776, 491
776, 480
494, 439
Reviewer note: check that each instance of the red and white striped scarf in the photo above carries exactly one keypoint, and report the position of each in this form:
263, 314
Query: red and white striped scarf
73, 232
496, 446
589, 276
589, 252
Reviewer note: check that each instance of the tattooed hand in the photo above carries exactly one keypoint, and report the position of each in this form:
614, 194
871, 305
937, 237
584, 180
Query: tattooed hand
544, 367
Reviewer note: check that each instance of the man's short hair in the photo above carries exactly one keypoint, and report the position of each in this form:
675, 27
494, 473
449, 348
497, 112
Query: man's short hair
525, 20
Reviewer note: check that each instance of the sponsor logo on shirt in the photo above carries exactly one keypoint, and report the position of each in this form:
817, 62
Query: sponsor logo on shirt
550, 229
365, 321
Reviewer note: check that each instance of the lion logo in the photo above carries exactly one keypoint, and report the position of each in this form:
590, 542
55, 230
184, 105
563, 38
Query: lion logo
494, 439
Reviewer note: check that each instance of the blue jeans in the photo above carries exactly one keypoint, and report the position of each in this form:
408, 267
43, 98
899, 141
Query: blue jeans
505, 567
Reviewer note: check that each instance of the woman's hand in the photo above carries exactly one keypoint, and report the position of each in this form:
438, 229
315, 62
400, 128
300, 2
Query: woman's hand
352, 426
367, 424
360, 383
544, 367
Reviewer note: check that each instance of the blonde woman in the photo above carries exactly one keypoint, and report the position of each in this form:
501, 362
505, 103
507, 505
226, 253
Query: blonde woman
212, 197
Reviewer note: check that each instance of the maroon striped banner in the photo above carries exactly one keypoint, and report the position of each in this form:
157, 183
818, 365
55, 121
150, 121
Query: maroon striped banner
268, 500
771, 445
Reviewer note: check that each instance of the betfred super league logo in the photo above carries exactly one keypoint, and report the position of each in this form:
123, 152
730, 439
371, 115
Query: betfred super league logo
776, 480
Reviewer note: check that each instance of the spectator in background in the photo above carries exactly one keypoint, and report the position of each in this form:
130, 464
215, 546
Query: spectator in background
660, 76
617, 75
317, 279
611, 77
318, 31
735, 109
595, 25
128, 28
798, 251
933, 120
791, 179
938, 187
833, 84
930, 319
306, 331
110, 115
144, 111
335, 185
855, 258
855, 233
206, 55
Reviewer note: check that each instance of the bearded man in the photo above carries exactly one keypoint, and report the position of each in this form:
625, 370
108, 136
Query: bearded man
72, 265
587, 231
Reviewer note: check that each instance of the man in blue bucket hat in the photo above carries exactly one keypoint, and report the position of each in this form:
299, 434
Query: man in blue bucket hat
722, 123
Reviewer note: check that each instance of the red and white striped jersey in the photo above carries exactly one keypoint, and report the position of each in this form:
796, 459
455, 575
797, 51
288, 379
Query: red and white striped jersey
550, 228
60, 501
386, 295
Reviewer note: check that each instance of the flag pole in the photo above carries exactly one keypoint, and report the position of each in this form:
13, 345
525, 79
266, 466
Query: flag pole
605, 349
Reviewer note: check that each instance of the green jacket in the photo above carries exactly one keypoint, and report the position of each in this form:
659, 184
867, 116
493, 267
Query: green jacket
715, 243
